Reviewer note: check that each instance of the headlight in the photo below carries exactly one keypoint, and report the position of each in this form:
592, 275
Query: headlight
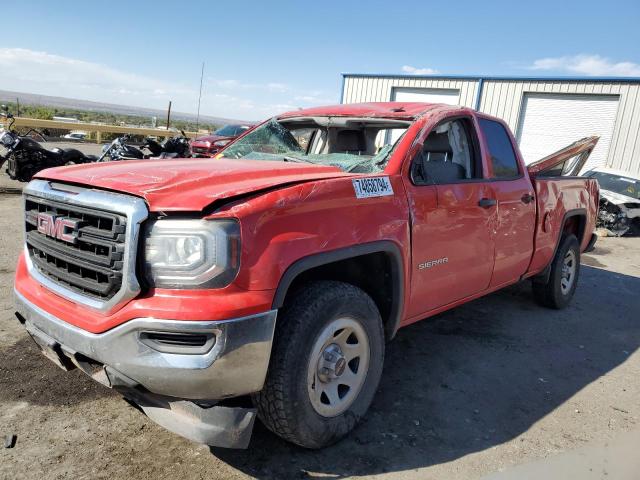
192, 253
6, 139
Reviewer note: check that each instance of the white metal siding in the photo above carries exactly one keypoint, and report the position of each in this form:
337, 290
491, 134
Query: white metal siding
380, 89
551, 121
427, 95
504, 99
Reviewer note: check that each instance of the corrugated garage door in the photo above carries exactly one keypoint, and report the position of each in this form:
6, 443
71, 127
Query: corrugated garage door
427, 95
549, 122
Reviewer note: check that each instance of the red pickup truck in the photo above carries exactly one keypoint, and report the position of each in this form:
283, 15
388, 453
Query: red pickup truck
267, 282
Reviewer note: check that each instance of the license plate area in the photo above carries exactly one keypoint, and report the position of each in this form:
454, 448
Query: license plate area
51, 349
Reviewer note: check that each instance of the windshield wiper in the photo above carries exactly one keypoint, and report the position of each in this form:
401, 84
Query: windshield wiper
287, 158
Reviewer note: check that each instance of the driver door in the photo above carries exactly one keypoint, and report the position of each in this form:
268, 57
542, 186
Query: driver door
453, 212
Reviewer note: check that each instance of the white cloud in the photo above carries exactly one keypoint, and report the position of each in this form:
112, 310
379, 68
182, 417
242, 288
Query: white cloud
38, 72
314, 100
590, 65
230, 84
20, 67
419, 71
277, 87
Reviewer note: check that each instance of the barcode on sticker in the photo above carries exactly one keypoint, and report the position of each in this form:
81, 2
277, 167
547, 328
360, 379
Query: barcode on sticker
372, 187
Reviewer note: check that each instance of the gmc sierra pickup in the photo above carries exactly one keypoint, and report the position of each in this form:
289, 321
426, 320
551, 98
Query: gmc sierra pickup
266, 281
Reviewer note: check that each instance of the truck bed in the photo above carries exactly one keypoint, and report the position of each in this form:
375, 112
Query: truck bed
559, 198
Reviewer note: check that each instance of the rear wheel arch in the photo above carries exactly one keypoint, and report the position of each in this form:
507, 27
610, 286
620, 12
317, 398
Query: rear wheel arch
350, 265
574, 222
562, 280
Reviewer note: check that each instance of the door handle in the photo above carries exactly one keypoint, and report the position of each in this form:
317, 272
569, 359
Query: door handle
527, 198
487, 202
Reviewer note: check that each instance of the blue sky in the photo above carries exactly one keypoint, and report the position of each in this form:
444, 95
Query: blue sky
265, 57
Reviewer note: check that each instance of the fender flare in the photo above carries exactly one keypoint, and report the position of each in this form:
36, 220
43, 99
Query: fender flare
324, 258
543, 276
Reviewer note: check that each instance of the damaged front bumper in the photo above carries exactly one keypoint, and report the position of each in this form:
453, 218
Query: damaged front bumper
176, 371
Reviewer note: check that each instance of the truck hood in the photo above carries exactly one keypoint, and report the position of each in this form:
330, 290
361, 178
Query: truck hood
210, 139
618, 198
188, 184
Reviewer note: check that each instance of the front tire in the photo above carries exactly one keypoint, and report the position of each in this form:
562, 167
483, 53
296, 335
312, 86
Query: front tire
325, 365
558, 290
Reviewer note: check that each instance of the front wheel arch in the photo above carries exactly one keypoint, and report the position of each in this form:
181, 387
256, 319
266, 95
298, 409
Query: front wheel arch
322, 266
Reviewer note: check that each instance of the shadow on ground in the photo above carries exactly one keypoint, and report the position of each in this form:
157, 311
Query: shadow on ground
44, 383
470, 379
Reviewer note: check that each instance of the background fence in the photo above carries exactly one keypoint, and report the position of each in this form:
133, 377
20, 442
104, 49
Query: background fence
97, 128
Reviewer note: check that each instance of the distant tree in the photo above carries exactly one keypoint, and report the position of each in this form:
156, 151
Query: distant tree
43, 112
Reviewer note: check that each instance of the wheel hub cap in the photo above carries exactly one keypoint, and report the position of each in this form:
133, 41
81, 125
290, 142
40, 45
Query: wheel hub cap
338, 366
569, 266
331, 364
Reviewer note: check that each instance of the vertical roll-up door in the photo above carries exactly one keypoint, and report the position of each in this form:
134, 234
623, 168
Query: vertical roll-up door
448, 96
427, 95
549, 122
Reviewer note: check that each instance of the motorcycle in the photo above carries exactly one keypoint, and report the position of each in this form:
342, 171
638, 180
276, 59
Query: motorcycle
119, 149
25, 156
174, 147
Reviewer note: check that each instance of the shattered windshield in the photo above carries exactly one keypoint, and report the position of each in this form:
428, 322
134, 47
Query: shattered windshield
359, 145
230, 130
618, 184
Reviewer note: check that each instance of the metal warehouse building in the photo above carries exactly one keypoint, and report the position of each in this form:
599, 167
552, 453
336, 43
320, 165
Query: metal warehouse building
545, 114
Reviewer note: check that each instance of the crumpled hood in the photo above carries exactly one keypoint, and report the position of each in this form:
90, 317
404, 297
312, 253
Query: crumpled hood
617, 198
210, 139
188, 184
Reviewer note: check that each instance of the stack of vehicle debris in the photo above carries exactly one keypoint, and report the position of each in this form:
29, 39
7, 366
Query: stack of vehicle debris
619, 212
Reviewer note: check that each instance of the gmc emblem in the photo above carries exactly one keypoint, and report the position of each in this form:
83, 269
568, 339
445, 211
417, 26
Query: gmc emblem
61, 228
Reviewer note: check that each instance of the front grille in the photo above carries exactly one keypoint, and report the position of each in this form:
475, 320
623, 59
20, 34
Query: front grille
201, 150
92, 265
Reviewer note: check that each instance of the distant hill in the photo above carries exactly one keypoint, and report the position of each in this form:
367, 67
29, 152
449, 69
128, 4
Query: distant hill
73, 103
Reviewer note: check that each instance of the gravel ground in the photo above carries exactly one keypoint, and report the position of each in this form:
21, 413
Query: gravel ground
497, 387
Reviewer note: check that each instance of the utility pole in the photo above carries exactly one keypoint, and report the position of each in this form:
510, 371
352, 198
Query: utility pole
199, 98
169, 115
17, 107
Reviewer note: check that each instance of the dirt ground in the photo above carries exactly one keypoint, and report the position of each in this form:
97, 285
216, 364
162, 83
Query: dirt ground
497, 387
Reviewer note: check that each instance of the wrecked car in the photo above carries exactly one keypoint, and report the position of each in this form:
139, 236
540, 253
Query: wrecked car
619, 201
210, 145
266, 283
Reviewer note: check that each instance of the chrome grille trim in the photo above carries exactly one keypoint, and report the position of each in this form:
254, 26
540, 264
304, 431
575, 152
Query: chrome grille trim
135, 211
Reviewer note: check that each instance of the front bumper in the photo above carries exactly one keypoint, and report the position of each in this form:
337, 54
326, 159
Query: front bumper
233, 363
202, 151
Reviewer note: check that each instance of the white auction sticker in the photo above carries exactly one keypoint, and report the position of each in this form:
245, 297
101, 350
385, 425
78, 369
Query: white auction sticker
372, 187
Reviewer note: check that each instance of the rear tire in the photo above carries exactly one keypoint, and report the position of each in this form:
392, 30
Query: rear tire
325, 365
558, 290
